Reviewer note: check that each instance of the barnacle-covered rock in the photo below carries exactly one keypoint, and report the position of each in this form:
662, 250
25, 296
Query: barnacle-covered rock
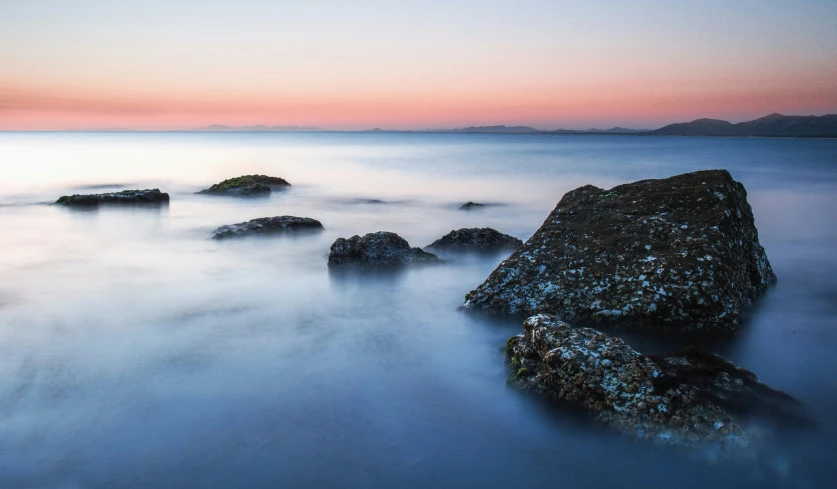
476, 239
246, 185
687, 398
147, 196
377, 250
680, 252
267, 225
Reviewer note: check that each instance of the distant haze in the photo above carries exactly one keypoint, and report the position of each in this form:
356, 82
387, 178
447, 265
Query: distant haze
411, 65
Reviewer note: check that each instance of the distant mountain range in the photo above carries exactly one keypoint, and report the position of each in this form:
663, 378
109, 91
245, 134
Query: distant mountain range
532, 130
773, 125
259, 128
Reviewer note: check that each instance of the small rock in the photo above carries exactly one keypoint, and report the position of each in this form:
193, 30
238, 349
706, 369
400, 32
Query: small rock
148, 196
476, 239
377, 250
267, 225
247, 185
470, 205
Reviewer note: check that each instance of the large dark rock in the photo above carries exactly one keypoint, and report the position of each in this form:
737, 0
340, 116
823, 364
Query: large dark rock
682, 252
148, 196
374, 250
476, 239
267, 225
247, 185
689, 398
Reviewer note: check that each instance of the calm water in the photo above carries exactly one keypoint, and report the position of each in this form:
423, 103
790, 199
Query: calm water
136, 352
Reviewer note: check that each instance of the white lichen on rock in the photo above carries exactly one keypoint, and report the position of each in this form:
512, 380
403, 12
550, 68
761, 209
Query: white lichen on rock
683, 398
706, 268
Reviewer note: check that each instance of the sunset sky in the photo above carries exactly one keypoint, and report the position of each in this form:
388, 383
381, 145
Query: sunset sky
166, 64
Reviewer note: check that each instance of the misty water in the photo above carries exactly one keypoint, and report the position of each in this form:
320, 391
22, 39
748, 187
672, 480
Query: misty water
137, 352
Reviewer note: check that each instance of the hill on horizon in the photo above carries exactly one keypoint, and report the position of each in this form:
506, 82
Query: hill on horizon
773, 125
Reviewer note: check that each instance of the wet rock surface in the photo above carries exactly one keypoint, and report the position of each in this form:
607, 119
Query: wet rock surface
147, 196
688, 398
476, 239
377, 250
267, 225
681, 252
247, 185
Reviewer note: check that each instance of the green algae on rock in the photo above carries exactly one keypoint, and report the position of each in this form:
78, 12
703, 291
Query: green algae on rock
476, 239
377, 250
147, 196
688, 398
246, 185
681, 252
267, 225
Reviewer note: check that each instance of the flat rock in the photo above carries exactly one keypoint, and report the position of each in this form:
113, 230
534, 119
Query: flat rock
688, 398
267, 225
247, 185
476, 239
374, 250
681, 253
147, 196
470, 205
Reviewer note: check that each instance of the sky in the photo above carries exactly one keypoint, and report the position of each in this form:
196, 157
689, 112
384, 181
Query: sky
168, 64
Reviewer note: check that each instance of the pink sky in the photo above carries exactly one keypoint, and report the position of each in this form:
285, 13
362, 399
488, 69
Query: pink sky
340, 66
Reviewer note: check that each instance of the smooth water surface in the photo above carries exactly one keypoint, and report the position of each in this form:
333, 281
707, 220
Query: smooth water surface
137, 352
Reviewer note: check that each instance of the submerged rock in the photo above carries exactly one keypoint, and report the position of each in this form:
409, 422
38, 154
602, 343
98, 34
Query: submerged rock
147, 196
476, 239
381, 249
688, 398
267, 225
681, 252
246, 185
470, 205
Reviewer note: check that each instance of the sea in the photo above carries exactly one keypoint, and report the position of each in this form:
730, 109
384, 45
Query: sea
137, 352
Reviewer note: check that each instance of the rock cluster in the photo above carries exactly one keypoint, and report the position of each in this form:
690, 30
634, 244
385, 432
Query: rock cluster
680, 252
147, 196
688, 398
377, 250
246, 185
476, 239
267, 225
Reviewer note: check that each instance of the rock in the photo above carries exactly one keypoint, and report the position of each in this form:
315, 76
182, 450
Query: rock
246, 185
681, 252
147, 196
470, 205
381, 249
688, 398
267, 225
476, 239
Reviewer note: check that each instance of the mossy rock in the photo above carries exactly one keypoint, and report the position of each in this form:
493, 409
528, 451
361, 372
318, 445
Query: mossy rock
246, 185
